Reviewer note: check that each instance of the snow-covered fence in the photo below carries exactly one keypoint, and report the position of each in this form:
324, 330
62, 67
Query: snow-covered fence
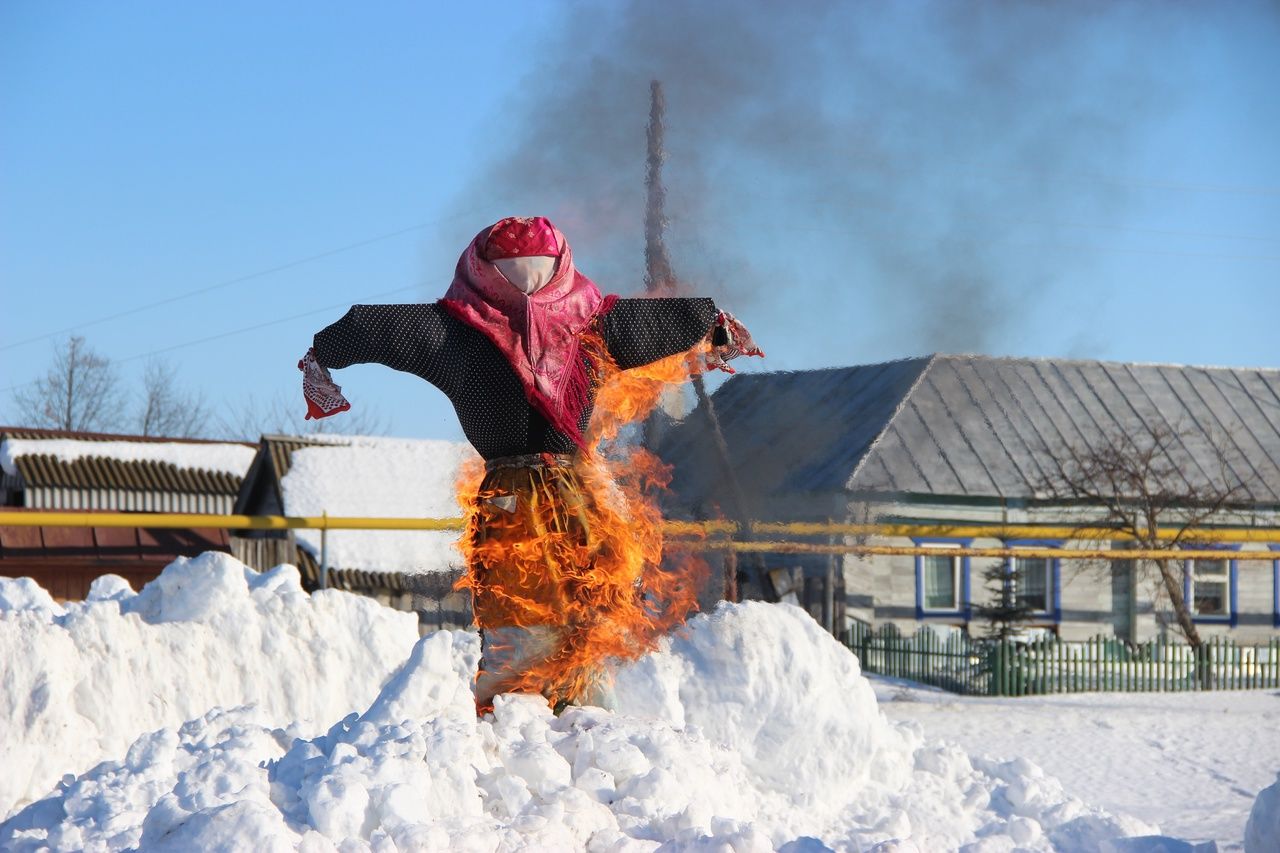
1045, 664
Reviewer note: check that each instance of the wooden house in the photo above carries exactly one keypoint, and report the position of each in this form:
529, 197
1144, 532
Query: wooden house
967, 440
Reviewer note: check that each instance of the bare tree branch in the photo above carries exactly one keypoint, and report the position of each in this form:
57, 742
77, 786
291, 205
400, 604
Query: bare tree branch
165, 410
1135, 482
80, 391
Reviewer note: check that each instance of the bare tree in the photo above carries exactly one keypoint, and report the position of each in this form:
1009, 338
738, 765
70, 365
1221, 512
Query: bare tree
1146, 485
165, 409
80, 391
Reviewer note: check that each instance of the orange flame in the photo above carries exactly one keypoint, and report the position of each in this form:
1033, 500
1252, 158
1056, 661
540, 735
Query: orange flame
585, 554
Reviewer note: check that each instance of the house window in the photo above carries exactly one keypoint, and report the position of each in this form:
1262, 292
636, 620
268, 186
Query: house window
942, 579
1032, 583
1210, 587
1037, 581
940, 574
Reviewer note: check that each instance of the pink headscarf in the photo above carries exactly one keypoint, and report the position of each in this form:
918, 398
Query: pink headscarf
539, 334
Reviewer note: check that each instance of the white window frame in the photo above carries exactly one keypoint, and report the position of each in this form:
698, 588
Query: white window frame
957, 579
1049, 603
1223, 577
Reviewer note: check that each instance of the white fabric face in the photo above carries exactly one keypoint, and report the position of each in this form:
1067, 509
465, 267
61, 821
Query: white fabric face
528, 275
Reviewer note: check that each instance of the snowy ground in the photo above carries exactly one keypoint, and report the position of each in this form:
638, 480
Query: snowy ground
223, 709
1192, 763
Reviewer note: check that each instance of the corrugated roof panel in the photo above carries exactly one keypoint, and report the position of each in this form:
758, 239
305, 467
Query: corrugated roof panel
1265, 399
1037, 418
1199, 433
866, 399
967, 433
1020, 434
1161, 410
900, 461
1012, 465
1096, 394
1132, 408
98, 473
1234, 436
1075, 424
913, 426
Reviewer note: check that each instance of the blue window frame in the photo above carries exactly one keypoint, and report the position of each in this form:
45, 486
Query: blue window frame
942, 581
1047, 592
1212, 592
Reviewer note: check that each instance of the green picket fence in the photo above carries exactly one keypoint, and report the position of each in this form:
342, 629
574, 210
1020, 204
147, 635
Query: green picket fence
1046, 664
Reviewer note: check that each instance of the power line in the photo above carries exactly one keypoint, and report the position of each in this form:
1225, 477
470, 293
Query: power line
1144, 183
1079, 247
237, 280
851, 205
1163, 232
239, 331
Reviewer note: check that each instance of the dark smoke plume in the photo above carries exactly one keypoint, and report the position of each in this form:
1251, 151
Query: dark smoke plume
848, 175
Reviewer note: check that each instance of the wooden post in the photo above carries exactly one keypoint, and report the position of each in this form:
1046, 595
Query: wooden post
660, 278
324, 554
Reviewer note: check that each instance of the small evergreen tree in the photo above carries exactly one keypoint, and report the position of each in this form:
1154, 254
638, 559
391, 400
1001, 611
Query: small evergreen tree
1005, 611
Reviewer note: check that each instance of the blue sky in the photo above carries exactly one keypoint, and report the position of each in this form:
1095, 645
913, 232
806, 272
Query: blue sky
859, 182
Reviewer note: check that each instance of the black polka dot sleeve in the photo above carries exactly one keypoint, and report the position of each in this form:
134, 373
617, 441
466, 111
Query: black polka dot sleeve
641, 331
409, 337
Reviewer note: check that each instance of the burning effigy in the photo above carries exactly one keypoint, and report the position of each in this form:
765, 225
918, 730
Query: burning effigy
563, 539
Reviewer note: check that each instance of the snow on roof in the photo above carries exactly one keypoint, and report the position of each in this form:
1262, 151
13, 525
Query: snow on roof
231, 458
379, 478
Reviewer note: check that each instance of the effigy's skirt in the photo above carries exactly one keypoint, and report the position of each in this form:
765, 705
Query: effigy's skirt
547, 587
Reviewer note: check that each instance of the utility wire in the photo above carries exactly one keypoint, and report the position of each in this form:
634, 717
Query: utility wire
239, 331
862, 206
1143, 183
1077, 247
1163, 232
237, 280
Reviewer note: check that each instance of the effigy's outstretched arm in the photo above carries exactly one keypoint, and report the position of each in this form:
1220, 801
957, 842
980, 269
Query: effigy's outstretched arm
641, 331
410, 337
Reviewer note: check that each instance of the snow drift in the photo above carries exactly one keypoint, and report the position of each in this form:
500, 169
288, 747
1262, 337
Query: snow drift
753, 730
79, 683
1262, 832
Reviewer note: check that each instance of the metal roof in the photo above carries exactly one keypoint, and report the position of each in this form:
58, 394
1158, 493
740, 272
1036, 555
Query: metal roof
974, 426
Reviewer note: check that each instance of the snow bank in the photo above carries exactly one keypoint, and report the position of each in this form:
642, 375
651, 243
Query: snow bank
379, 478
80, 684
229, 458
754, 731
1262, 832
26, 594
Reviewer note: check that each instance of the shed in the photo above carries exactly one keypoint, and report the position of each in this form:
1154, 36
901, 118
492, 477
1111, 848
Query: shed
364, 477
103, 472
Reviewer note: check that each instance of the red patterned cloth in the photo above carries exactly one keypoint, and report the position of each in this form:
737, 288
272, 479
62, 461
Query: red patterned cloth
323, 395
539, 334
522, 237
729, 340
